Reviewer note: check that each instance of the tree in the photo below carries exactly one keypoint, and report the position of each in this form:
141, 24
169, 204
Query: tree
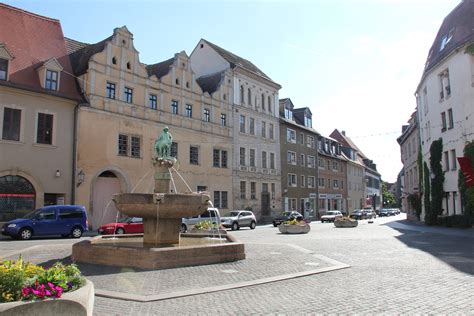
437, 182
388, 197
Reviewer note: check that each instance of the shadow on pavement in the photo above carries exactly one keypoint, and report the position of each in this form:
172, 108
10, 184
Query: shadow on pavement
456, 251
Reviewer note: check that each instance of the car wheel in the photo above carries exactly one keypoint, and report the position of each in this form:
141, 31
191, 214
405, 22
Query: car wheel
76, 232
183, 228
120, 231
275, 225
26, 233
235, 226
253, 225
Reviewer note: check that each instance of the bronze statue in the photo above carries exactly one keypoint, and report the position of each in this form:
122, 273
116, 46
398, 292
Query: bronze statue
163, 144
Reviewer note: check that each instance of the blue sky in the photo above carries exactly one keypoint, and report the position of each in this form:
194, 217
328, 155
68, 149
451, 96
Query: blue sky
354, 63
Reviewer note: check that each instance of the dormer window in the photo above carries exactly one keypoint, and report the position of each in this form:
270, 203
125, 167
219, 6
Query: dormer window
308, 121
288, 114
3, 69
446, 39
51, 82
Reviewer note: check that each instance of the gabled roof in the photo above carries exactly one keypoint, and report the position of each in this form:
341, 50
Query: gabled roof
80, 58
346, 141
73, 45
160, 69
210, 83
456, 30
34, 39
235, 60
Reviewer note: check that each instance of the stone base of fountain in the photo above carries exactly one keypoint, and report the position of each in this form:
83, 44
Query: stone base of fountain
129, 251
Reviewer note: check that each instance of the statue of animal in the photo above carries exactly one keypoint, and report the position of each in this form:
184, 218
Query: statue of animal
163, 144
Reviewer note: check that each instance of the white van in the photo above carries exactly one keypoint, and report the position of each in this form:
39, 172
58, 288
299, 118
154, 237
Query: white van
211, 214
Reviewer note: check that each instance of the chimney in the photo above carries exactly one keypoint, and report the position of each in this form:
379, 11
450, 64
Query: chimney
344, 133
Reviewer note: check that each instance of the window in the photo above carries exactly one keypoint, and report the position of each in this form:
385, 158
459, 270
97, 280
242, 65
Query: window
242, 156
270, 130
335, 184
273, 191
220, 158
320, 163
223, 158
110, 90
311, 183
443, 121
123, 145
264, 129
242, 123
334, 165
252, 126
450, 119
174, 150
292, 180
269, 104
253, 190
44, 133
272, 160
303, 181
249, 96
243, 190
302, 160
264, 159
311, 162
321, 183
11, 124
425, 101
308, 121
135, 147
446, 161
51, 80
453, 159
252, 157
242, 100
263, 101
207, 115
223, 119
66, 213
128, 95
193, 155
220, 199
288, 114
174, 107
291, 157
189, 110
310, 141
153, 101
3, 69
446, 39
291, 136
301, 140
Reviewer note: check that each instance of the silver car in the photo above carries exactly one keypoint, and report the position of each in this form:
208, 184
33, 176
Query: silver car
240, 218
211, 214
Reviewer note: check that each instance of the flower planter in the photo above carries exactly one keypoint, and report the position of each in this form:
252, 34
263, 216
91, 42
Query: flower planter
294, 229
78, 302
344, 224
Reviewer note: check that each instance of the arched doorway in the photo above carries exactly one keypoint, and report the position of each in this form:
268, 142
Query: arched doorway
17, 197
103, 208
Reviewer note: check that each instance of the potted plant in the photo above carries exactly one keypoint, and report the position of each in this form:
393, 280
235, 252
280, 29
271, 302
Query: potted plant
26, 288
345, 222
294, 226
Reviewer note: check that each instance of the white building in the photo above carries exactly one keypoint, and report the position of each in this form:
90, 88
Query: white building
256, 143
445, 97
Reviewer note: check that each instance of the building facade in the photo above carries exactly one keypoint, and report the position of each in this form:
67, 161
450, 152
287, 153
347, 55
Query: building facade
409, 148
37, 101
298, 159
256, 137
129, 104
445, 98
332, 177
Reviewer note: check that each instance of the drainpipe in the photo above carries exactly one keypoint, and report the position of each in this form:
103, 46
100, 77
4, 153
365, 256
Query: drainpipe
74, 154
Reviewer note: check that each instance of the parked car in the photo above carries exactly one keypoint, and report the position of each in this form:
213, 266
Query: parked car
357, 214
64, 220
237, 219
368, 214
126, 225
211, 214
391, 212
383, 212
286, 216
330, 216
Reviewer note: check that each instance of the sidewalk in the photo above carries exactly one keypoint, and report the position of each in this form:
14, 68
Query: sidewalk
417, 226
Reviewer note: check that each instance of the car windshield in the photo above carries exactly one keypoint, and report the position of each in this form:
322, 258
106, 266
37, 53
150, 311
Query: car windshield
33, 214
332, 213
125, 220
234, 213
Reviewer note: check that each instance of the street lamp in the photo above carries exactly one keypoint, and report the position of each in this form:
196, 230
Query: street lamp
80, 177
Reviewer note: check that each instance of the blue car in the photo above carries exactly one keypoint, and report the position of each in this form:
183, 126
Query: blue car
64, 220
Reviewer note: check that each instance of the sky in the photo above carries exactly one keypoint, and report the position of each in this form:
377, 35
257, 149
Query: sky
354, 63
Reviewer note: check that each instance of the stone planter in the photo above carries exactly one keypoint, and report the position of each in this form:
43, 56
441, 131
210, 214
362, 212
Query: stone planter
294, 229
346, 223
77, 303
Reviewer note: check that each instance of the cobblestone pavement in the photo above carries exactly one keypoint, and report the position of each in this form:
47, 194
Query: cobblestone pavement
395, 268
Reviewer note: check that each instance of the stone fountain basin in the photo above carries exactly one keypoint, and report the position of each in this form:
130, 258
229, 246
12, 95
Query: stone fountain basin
161, 205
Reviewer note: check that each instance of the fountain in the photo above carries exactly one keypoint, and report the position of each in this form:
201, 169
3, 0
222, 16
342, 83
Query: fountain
162, 246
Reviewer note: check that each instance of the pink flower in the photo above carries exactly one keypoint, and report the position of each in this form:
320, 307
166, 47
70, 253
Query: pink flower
59, 291
25, 291
51, 285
